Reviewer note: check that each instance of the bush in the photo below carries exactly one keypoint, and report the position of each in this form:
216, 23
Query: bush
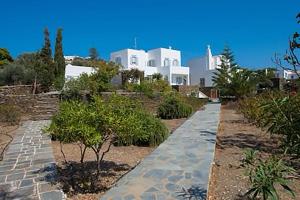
173, 107
9, 114
264, 175
278, 114
133, 124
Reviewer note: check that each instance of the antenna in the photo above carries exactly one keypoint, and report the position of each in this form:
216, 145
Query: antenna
135, 43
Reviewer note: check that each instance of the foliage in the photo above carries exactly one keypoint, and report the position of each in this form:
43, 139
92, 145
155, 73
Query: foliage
279, 114
133, 124
292, 54
149, 88
132, 76
80, 62
173, 108
157, 76
74, 88
46, 64
59, 60
5, 57
94, 55
9, 114
14, 74
97, 82
234, 81
264, 175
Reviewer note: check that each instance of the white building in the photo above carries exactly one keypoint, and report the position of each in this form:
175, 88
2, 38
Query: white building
287, 74
202, 69
73, 72
164, 61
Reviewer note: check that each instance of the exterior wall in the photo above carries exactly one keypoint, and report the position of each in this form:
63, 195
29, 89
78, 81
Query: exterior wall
158, 55
75, 71
287, 74
204, 67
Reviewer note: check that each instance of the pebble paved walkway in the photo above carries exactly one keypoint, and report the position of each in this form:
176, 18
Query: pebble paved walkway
178, 168
28, 168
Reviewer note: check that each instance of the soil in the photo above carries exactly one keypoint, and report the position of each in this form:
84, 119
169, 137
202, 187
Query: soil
117, 162
6, 135
228, 180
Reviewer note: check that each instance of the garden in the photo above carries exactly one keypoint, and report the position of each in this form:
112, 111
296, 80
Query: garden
257, 154
98, 133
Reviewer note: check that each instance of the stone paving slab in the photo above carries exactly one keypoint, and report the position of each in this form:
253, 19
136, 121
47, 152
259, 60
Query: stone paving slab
179, 168
28, 168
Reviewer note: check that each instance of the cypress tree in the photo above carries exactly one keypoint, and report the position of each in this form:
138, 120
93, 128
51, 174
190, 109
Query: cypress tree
59, 56
46, 65
46, 52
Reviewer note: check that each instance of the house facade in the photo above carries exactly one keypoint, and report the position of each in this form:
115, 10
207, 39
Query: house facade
202, 69
287, 74
165, 61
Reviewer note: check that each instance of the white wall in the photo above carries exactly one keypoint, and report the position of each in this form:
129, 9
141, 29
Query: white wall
158, 55
75, 71
204, 67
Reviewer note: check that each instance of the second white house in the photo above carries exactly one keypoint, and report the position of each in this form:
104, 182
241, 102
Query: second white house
161, 60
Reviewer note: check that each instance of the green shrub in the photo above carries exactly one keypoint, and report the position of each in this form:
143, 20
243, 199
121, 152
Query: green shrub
264, 175
9, 114
121, 115
173, 107
133, 124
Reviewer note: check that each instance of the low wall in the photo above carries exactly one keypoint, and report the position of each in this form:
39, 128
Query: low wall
16, 90
186, 89
33, 106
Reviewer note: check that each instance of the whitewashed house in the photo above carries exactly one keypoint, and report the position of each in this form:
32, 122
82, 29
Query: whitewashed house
73, 72
202, 69
162, 60
287, 74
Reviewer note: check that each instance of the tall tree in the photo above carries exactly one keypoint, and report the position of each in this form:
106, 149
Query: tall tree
59, 60
47, 65
222, 76
94, 55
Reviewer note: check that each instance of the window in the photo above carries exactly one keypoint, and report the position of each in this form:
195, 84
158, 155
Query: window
134, 60
167, 62
175, 62
151, 63
292, 76
178, 80
118, 60
202, 82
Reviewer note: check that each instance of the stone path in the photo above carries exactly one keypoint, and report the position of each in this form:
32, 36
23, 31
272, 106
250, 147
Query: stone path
28, 168
179, 168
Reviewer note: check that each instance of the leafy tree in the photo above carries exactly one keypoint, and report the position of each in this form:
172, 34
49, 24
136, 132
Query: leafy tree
5, 57
94, 55
157, 76
133, 76
59, 60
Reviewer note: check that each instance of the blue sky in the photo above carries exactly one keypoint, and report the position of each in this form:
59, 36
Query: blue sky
254, 29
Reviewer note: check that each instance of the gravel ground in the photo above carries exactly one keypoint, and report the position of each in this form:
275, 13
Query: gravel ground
228, 180
118, 162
